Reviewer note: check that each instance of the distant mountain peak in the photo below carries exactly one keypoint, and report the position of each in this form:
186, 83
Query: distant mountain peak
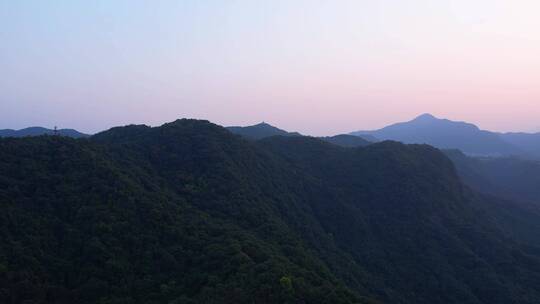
260, 130
445, 134
265, 125
425, 117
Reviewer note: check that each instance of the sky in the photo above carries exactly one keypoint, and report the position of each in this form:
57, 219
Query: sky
313, 66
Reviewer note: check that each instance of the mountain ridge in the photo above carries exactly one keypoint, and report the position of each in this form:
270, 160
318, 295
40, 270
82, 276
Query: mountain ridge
448, 134
38, 131
190, 212
264, 130
260, 130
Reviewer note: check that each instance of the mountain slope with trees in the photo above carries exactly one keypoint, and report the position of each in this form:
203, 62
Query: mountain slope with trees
259, 131
264, 130
346, 140
190, 213
507, 177
38, 131
446, 134
527, 142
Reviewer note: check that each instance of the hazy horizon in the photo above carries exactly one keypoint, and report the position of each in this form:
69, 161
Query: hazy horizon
274, 125
316, 67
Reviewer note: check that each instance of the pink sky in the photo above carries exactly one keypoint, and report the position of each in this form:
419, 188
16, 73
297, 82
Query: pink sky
318, 67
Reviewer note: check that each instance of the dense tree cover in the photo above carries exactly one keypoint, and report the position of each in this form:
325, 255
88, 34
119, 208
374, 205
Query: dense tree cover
526, 142
37, 131
346, 140
509, 177
420, 235
513, 179
165, 215
264, 130
259, 131
190, 213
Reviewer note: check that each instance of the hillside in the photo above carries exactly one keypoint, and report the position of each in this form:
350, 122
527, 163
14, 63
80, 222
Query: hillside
346, 140
527, 142
414, 223
446, 134
508, 177
264, 130
91, 223
190, 213
37, 131
260, 131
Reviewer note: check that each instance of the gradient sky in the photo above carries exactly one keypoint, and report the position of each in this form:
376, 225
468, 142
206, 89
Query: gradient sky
318, 67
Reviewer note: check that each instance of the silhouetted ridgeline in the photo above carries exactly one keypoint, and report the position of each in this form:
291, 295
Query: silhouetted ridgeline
259, 131
190, 213
509, 177
37, 131
447, 134
264, 130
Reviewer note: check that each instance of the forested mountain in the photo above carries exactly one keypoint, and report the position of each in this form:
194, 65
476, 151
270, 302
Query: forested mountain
346, 140
37, 131
508, 177
260, 131
153, 215
190, 213
367, 137
264, 130
527, 142
447, 134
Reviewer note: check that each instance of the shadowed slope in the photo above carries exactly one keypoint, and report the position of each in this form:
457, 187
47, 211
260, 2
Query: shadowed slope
189, 212
37, 131
445, 134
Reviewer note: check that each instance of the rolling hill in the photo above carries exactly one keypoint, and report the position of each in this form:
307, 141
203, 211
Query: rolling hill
346, 140
507, 177
527, 142
190, 213
37, 131
264, 130
260, 131
446, 134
